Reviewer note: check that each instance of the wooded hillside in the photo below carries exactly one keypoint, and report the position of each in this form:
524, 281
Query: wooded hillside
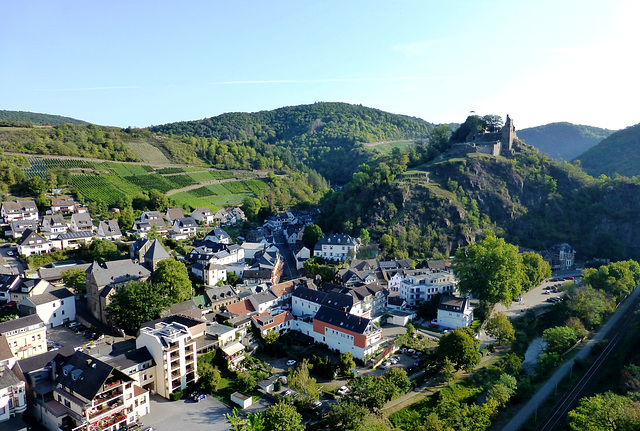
563, 141
327, 137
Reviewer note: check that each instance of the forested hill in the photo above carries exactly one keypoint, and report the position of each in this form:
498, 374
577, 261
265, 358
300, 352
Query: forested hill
327, 137
617, 154
563, 141
35, 118
432, 209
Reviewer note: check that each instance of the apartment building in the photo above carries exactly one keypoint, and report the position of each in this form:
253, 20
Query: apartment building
26, 336
415, 289
174, 351
82, 393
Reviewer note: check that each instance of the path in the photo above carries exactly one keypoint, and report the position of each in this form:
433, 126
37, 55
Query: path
525, 413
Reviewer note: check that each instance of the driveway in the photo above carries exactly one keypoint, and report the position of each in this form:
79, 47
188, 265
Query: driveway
188, 415
10, 264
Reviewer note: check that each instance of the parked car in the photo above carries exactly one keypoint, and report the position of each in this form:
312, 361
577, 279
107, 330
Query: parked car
287, 393
316, 404
199, 397
80, 328
410, 352
434, 326
343, 390
10, 304
10, 253
291, 362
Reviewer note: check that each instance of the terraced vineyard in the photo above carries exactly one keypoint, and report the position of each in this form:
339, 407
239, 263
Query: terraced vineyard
109, 182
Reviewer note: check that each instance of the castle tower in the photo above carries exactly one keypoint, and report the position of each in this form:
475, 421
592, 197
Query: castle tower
508, 135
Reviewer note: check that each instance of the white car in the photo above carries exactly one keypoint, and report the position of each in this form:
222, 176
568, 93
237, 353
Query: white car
10, 253
291, 362
343, 390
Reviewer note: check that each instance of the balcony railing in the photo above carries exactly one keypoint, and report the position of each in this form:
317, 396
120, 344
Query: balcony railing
106, 397
106, 409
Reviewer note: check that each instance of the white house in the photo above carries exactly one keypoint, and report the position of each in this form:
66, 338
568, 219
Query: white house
336, 247
454, 312
218, 236
203, 215
53, 225
33, 243
109, 229
20, 210
54, 307
184, 227
81, 223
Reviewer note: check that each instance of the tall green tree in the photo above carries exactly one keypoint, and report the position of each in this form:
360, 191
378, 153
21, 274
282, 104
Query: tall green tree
535, 268
490, 270
136, 303
606, 411
173, 278
158, 201
102, 250
499, 326
282, 417
76, 280
461, 348
346, 363
364, 236
209, 377
559, 339
311, 235
300, 380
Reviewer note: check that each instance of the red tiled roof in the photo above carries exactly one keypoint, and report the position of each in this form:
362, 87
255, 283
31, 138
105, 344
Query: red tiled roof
241, 308
282, 289
277, 320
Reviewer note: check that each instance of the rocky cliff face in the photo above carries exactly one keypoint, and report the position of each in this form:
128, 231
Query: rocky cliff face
531, 200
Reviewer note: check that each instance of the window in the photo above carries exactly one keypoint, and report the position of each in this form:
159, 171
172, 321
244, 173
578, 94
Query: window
63, 312
54, 314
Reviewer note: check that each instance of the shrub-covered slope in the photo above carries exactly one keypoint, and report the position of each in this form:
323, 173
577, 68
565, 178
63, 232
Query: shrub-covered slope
33, 117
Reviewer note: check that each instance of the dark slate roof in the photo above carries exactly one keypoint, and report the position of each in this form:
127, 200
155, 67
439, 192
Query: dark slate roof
342, 319
94, 373
8, 281
308, 294
436, 264
335, 239
452, 303
396, 300
264, 274
50, 296
338, 301
52, 274
186, 222
217, 293
174, 318
38, 362
14, 424
117, 271
30, 235
366, 290
129, 359
21, 322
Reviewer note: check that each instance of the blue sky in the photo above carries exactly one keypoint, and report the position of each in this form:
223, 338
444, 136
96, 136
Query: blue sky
138, 63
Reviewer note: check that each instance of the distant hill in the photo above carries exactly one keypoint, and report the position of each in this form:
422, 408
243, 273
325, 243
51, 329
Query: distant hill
327, 137
563, 141
35, 118
617, 154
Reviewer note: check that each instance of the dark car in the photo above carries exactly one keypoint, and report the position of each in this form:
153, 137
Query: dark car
10, 304
434, 325
80, 328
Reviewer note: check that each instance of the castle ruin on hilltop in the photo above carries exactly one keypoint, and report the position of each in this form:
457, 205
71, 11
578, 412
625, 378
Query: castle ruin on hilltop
495, 142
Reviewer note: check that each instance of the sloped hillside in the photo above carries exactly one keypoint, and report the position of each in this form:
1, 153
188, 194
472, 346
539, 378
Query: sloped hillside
35, 118
563, 141
530, 200
617, 154
327, 137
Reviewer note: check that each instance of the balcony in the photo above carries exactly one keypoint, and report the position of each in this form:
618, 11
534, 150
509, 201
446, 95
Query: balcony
175, 365
190, 368
107, 396
106, 409
110, 421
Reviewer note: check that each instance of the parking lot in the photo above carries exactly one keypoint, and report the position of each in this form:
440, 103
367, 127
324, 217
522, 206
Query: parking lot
65, 337
9, 262
536, 298
206, 415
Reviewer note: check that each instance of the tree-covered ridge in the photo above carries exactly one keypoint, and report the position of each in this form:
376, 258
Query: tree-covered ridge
563, 141
327, 137
36, 118
617, 154
530, 200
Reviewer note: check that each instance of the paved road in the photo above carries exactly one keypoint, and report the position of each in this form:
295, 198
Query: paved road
290, 271
10, 264
540, 397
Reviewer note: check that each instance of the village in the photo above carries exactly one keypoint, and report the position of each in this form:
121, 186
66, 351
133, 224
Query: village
65, 360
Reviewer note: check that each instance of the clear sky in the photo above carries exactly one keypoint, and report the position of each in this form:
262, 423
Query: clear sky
139, 63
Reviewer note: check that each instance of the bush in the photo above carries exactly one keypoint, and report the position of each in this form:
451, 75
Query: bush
176, 395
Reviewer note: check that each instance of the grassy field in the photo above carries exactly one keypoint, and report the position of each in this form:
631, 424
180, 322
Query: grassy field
387, 147
148, 153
